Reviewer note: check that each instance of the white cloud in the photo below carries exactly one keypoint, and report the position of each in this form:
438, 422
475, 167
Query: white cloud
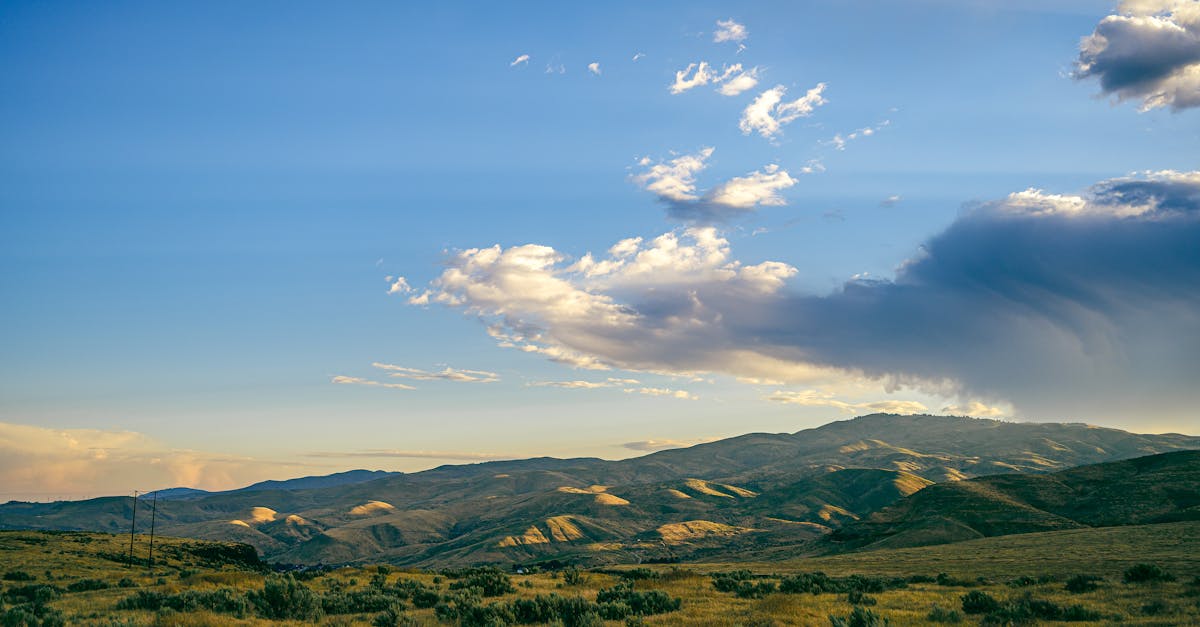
890, 201
680, 394
674, 182
556, 68
769, 112
446, 374
676, 179
729, 30
702, 76
638, 55
733, 79
594, 68
813, 398
523, 59
737, 84
344, 380
757, 188
398, 285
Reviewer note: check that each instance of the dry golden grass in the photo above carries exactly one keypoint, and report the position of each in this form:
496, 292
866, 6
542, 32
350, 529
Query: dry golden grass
60, 559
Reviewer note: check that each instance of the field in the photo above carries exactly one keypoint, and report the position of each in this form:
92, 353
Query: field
83, 577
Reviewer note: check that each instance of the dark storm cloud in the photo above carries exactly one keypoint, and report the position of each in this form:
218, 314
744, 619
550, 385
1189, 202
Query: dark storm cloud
1150, 52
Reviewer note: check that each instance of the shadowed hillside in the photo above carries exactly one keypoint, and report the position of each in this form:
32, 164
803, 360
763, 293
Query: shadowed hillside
1152, 489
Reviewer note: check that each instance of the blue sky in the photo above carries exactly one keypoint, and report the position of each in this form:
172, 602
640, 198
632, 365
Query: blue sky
201, 204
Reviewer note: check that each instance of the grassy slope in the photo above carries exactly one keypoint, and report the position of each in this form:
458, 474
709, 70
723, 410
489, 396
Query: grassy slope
1105, 552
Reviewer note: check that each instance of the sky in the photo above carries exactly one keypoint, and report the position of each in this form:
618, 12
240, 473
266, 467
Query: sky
242, 241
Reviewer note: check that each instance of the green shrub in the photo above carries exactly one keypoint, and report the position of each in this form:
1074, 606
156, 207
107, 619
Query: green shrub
393, 616
220, 601
572, 576
976, 602
357, 602
859, 617
639, 574
126, 582
37, 594
1027, 611
942, 615
87, 585
730, 581
490, 581
282, 597
18, 575
1082, 583
640, 603
1146, 573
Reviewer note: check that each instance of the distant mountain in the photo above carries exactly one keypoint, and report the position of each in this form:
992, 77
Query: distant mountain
324, 481
1152, 489
301, 483
754, 492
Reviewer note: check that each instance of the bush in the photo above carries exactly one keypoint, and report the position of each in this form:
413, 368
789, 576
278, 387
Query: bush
37, 594
942, 615
32, 616
976, 602
221, 601
639, 574
730, 581
87, 585
1082, 583
358, 602
640, 603
859, 617
282, 597
18, 575
572, 577
1027, 611
1146, 573
126, 582
490, 581
393, 616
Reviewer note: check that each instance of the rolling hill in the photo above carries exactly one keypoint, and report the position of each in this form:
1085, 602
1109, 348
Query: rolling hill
749, 493
1144, 490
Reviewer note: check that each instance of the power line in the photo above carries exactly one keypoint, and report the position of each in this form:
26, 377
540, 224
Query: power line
132, 526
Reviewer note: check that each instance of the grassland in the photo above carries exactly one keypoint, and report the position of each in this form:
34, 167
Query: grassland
1006, 568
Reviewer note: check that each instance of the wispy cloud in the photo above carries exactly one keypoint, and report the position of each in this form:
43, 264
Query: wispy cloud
445, 374
647, 391
521, 60
890, 201
839, 141
344, 380
733, 79
768, 113
594, 68
729, 30
638, 55
813, 398
611, 382
674, 182
649, 446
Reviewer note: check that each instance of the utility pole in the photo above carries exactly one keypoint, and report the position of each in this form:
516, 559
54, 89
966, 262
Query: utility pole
132, 526
153, 514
